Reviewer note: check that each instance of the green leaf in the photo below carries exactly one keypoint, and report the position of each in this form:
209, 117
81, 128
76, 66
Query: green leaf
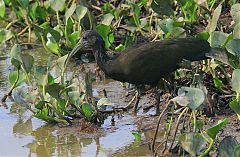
233, 47
236, 31
15, 52
107, 19
162, 7
41, 75
87, 110
195, 96
54, 90
189, 9
235, 12
40, 105
16, 63
227, 146
219, 39
57, 5
235, 106
236, 80
81, 11
218, 83
166, 25
193, 143
2, 8
5, 35
52, 45
107, 35
203, 35
213, 131
70, 11
27, 61
74, 95
137, 135
213, 23
13, 77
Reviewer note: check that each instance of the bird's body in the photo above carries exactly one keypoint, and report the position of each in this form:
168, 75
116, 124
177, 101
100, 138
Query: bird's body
147, 63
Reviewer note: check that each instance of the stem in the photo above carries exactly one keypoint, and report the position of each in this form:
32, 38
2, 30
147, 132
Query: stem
158, 123
194, 121
12, 87
29, 34
58, 18
208, 149
175, 131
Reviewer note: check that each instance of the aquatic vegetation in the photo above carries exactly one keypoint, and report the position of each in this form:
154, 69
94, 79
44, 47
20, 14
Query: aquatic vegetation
57, 25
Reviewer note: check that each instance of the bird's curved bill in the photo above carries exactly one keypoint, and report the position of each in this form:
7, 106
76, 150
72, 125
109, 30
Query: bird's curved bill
76, 49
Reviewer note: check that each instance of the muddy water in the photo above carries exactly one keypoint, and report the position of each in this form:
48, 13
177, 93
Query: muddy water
23, 135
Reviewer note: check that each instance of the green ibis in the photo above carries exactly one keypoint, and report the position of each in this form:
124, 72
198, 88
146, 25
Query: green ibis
142, 64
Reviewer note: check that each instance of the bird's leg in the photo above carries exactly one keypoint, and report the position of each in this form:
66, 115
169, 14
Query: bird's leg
157, 101
138, 95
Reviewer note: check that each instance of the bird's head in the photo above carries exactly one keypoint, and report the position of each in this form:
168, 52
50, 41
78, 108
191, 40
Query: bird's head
90, 40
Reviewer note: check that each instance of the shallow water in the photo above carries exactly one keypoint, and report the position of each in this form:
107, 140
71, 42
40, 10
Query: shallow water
23, 135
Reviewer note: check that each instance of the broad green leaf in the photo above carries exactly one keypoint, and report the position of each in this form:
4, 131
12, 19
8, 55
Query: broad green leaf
19, 98
2, 8
233, 47
5, 35
162, 7
52, 45
178, 32
16, 63
219, 39
57, 5
236, 80
137, 135
54, 90
235, 106
213, 23
189, 9
87, 110
40, 105
27, 61
193, 143
70, 11
181, 100
136, 14
41, 75
107, 19
24, 3
195, 96
235, 12
15, 52
81, 11
227, 146
213, 131
13, 75
60, 63
236, 31
74, 95
218, 83
107, 35
203, 35
166, 25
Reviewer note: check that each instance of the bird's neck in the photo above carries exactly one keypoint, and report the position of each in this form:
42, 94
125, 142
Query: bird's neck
102, 58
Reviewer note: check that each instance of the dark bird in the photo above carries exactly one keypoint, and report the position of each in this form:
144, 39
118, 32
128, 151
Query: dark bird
142, 64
